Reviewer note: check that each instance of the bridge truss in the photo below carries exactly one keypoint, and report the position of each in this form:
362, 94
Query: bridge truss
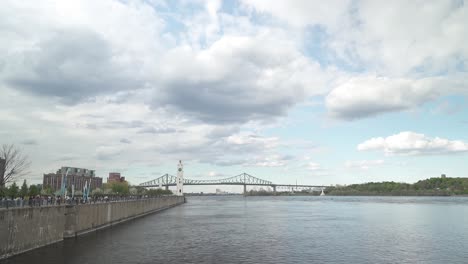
241, 179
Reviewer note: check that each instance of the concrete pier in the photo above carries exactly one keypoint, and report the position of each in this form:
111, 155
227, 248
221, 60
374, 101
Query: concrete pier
24, 229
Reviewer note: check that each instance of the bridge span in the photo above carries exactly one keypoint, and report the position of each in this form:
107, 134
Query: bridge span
242, 179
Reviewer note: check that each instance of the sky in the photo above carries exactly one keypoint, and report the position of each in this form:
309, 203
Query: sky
313, 92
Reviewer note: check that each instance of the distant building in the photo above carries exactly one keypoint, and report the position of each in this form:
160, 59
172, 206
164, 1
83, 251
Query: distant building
76, 176
443, 176
2, 170
115, 177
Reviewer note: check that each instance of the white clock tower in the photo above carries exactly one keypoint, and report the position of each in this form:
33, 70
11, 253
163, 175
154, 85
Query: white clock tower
180, 179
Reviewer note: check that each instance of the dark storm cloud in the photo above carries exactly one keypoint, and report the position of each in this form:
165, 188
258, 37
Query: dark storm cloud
73, 64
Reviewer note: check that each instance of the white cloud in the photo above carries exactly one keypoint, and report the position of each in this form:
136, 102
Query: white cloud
398, 37
369, 96
212, 70
215, 174
77, 50
410, 44
393, 37
274, 160
313, 166
411, 143
363, 164
240, 78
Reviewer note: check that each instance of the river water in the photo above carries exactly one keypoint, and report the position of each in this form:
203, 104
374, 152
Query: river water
234, 229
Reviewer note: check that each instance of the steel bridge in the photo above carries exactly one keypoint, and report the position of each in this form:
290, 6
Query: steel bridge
244, 179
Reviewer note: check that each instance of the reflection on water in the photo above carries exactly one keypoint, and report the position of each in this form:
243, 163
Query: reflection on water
279, 230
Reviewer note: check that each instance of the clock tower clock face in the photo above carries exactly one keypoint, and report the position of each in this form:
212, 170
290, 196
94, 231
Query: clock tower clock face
180, 169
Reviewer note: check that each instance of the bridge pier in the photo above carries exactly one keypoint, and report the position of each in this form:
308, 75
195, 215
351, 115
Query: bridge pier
245, 190
274, 189
167, 187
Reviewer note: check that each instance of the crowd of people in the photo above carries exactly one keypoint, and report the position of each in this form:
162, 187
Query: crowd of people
51, 200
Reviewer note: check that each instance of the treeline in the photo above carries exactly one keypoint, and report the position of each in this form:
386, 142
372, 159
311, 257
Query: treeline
15, 191
428, 187
24, 191
124, 189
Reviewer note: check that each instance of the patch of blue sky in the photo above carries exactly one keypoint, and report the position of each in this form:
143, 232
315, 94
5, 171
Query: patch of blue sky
316, 46
261, 18
430, 67
341, 138
173, 24
230, 7
175, 14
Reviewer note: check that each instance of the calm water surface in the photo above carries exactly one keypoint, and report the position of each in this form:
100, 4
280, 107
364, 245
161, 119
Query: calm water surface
279, 230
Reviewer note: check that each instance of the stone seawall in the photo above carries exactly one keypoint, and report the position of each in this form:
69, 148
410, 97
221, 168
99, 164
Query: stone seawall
86, 218
24, 229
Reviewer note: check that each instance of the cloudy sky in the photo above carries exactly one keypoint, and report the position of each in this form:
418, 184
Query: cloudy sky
318, 92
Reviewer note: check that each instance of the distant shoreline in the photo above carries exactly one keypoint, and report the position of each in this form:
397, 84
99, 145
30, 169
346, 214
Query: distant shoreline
328, 195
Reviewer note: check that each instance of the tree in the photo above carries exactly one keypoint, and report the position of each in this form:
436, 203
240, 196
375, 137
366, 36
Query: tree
13, 190
140, 190
119, 187
16, 163
33, 190
24, 189
46, 191
155, 192
97, 192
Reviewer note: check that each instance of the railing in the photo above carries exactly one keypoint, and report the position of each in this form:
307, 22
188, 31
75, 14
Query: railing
52, 201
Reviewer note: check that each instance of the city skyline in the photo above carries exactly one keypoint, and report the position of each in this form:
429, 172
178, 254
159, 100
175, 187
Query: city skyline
337, 93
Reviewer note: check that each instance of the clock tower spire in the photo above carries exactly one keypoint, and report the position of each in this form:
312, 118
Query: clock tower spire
180, 179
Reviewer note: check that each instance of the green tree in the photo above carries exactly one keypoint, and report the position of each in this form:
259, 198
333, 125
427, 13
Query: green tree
24, 189
140, 190
120, 188
46, 191
97, 192
13, 190
33, 190
155, 192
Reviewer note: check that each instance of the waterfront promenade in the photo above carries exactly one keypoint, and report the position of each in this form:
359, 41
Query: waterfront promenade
56, 201
29, 227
